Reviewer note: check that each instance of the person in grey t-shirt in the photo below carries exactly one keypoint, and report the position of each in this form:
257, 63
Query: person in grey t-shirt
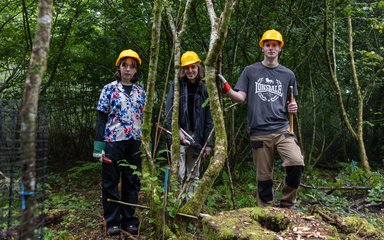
267, 86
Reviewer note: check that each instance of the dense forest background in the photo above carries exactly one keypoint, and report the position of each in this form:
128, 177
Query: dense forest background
335, 48
87, 36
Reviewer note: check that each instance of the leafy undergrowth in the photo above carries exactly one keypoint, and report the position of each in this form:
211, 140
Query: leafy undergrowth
74, 208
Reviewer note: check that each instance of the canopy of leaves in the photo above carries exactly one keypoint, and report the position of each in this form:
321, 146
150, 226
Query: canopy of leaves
88, 35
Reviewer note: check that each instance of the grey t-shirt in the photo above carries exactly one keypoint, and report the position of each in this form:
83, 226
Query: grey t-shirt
268, 90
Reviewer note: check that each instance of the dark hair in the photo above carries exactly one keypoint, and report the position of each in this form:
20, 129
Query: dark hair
135, 78
200, 74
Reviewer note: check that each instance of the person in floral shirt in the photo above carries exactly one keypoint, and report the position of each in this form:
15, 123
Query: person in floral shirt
117, 143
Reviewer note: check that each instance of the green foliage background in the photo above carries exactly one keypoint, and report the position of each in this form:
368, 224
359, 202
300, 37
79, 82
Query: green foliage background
87, 37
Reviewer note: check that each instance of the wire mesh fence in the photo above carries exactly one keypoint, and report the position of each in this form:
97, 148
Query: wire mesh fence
12, 194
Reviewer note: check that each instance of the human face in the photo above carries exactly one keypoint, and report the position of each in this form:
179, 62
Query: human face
128, 69
191, 71
271, 48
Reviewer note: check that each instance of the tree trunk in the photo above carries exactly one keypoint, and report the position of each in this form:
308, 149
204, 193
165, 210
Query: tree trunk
149, 161
37, 67
177, 35
360, 101
63, 44
358, 136
148, 165
219, 28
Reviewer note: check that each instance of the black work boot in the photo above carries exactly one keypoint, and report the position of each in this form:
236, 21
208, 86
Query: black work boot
265, 193
131, 229
113, 230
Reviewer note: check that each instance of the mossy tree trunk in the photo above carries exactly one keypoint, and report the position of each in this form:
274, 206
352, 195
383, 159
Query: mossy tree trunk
36, 70
178, 27
356, 134
219, 28
359, 137
149, 164
149, 169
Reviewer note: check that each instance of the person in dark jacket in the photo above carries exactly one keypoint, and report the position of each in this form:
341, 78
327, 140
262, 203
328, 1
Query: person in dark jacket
195, 118
118, 132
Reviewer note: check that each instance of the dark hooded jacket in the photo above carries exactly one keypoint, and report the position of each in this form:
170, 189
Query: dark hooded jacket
202, 114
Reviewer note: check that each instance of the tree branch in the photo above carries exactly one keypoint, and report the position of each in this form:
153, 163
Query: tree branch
336, 187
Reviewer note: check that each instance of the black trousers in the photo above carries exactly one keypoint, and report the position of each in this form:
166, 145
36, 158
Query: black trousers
122, 154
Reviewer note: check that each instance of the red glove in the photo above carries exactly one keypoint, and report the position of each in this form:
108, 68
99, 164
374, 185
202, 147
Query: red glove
226, 86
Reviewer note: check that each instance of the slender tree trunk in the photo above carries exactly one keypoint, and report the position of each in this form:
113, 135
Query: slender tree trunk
149, 161
63, 44
360, 101
357, 135
312, 146
219, 28
149, 165
177, 34
37, 67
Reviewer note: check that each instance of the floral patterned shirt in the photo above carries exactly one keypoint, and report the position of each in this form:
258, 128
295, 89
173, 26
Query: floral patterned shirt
125, 112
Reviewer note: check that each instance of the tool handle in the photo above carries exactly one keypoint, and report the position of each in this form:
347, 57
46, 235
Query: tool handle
291, 130
190, 138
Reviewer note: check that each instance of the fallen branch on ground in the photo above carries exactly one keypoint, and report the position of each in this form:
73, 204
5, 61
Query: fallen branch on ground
329, 217
201, 215
369, 205
336, 187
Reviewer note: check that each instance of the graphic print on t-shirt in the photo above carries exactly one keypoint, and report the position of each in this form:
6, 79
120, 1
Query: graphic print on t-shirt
268, 89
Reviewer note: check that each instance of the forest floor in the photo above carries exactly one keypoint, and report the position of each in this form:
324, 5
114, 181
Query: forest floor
74, 211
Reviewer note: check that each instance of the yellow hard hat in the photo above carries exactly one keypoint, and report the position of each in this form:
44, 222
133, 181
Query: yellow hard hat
271, 35
128, 53
189, 57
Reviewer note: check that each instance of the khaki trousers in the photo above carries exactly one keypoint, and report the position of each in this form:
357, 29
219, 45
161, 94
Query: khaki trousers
263, 150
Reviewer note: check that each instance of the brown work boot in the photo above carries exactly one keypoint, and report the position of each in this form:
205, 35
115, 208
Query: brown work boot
264, 204
292, 207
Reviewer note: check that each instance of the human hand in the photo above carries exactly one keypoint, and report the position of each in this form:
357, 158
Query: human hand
292, 107
226, 86
102, 158
182, 137
99, 153
207, 151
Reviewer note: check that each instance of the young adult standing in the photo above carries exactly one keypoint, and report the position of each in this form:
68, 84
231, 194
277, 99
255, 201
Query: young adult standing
117, 142
194, 118
266, 86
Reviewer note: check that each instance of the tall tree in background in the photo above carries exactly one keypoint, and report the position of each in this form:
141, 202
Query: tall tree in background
37, 67
357, 133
